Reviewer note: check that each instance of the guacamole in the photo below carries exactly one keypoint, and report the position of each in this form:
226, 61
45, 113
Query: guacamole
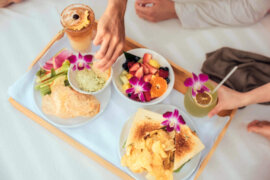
88, 80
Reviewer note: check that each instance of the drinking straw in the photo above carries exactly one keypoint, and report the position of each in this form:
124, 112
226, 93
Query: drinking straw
225, 79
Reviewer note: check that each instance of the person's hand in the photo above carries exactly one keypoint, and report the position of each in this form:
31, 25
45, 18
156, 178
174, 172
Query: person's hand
111, 36
260, 127
228, 99
155, 10
4, 3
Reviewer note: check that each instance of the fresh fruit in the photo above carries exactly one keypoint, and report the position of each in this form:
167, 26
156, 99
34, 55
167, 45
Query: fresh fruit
159, 86
203, 99
147, 96
146, 57
145, 69
163, 73
168, 80
129, 76
124, 73
147, 78
125, 66
131, 57
57, 61
154, 63
164, 68
126, 86
140, 61
132, 73
124, 79
48, 65
135, 67
139, 73
130, 64
152, 70
60, 58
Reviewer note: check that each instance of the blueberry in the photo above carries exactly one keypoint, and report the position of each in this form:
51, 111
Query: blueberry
129, 95
166, 68
76, 16
168, 80
125, 66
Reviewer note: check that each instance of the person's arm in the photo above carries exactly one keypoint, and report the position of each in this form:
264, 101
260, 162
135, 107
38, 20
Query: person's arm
230, 99
110, 34
209, 13
155, 10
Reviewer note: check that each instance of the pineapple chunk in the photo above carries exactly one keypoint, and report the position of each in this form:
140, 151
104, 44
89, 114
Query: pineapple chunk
129, 76
126, 86
154, 63
124, 79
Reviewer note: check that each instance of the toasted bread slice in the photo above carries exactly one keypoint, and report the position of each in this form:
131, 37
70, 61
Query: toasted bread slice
187, 143
144, 122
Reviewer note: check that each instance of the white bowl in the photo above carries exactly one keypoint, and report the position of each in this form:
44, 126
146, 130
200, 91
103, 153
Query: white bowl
73, 83
140, 52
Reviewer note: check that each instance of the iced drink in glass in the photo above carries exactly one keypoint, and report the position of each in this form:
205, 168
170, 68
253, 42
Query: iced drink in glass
201, 104
78, 21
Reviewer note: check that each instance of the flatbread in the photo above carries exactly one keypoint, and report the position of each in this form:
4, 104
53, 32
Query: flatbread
64, 102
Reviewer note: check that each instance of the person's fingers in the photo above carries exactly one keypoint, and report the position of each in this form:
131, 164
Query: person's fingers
143, 9
98, 37
252, 123
107, 57
147, 18
104, 47
116, 54
112, 47
255, 129
144, 1
214, 111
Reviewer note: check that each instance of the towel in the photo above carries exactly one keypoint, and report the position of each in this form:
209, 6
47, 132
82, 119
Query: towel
253, 69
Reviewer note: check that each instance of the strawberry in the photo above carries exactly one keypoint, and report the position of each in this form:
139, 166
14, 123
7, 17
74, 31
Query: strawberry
135, 67
146, 57
145, 69
147, 96
152, 70
130, 64
147, 77
163, 73
139, 73
132, 73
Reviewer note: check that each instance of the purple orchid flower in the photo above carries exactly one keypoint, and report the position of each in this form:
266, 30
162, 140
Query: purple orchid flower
197, 83
173, 120
138, 87
80, 62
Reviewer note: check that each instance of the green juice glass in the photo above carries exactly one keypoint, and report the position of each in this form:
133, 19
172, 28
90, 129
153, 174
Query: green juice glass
196, 109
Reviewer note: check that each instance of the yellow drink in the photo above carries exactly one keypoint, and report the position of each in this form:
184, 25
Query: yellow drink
196, 109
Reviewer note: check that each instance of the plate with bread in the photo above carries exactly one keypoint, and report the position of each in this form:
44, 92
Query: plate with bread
69, 91
150, 150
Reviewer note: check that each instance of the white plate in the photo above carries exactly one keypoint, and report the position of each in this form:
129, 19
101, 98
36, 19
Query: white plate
117, 67
188, 168
103, 97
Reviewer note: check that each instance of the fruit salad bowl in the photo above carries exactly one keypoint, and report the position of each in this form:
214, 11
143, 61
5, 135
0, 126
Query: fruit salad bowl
143, 77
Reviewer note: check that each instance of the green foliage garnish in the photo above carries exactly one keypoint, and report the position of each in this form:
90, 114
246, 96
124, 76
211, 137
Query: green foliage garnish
53, 72
131, 57
66, 82
124, 144
41, 72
